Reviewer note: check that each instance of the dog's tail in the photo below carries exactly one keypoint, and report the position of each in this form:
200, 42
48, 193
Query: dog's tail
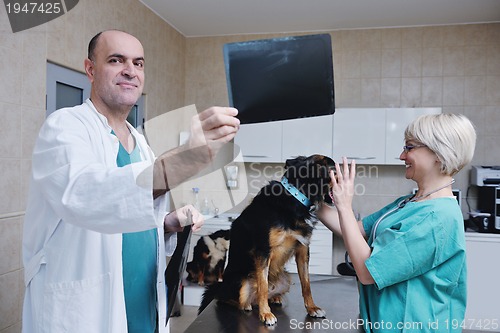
211, 292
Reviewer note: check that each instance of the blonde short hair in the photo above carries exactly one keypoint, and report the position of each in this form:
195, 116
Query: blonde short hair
451, 137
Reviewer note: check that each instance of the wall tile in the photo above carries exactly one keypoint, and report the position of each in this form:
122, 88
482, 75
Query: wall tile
351, 39
32, 120
475, 90
8, 39
432, 91
351, 64
370, 92
411, 92
453, 61
370, 63
453, 90
351, 92
492, 90
493, 60
493, 33
25, 180
432, 61
10, 245
11, 64
10, 183
10, 136
391, 38
412, 38
390, 92
432, 37
453, 35
337, 65
411, 63
475, 61
9, 294
370, 39
476, 34
490, 145
391, 63
491, 121
34, 69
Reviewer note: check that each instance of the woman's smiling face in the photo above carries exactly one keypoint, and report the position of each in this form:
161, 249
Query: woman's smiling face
419, 160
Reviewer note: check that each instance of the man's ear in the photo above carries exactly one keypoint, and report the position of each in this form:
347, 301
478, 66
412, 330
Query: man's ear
89, 69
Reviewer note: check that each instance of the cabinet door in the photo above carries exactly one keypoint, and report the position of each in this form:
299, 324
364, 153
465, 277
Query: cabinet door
359, 134
260, 142
397, 119
483, 294
307, 136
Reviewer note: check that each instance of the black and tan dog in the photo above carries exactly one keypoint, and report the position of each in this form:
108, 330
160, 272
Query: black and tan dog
273, 228
209, 258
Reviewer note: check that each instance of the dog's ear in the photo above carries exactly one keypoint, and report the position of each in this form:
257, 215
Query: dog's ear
294, 161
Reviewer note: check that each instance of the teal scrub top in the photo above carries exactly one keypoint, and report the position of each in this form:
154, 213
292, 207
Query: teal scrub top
419, 266
139, 257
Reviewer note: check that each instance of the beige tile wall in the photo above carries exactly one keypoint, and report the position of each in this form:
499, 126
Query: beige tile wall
23, 58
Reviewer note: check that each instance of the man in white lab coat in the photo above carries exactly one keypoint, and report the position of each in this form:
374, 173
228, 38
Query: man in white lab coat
95, 181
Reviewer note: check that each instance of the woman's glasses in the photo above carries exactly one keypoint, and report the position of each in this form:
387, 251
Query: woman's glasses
407, 148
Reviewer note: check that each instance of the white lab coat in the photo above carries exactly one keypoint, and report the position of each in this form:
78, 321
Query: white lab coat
79, 205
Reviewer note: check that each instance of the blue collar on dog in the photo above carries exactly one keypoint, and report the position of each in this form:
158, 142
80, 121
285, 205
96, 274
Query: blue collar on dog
295, 192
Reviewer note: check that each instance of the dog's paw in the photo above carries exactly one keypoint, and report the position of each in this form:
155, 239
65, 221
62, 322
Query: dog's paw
316, 312
268, 318
247, 307
276, 300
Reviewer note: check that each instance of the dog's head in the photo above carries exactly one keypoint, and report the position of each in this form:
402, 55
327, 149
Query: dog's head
311, 176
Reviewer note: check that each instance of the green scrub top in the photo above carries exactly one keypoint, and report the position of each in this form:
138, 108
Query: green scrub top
419, 267
139, 258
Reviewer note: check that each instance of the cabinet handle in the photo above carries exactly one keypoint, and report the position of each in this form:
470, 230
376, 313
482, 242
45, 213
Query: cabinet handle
256, 156
361, 158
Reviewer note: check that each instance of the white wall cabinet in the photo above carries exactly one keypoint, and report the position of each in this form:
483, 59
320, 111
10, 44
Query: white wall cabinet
277, 141
307, 136
359, 134
373, 135
260, 142
368, 135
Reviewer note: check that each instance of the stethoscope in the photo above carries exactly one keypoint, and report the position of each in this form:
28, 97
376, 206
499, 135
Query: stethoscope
403, 203
400, 205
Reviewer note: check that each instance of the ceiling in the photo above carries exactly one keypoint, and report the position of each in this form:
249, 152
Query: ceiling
194, 18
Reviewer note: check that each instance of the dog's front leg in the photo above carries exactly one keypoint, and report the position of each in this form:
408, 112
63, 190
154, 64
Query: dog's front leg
262, 274
302, 260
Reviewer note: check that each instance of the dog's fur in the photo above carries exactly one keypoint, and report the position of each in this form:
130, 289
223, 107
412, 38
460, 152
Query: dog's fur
273, 228
209, 258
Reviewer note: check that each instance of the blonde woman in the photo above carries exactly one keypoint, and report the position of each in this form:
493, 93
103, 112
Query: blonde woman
410, 256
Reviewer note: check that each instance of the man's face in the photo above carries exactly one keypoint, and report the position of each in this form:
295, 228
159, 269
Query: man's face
117, 70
